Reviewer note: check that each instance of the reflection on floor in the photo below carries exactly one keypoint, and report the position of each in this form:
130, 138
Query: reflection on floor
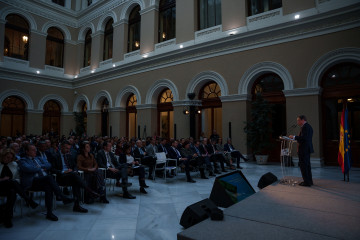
155, 215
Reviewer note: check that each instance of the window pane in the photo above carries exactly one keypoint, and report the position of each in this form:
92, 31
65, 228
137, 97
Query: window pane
54, 48
16, 42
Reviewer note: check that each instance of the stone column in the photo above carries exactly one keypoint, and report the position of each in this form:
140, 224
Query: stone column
297, 103
120, 41
235, 110
37, 49
71, 59
147, 119
2, 36
93, 122
186, 20
67, 122
233, 14
114, 121
149, 29
97, 49
33, 122
80, 53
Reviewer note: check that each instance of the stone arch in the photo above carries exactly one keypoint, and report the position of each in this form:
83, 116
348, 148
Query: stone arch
10, 10
104, 18
157, 87
328, 60
258, 69
199, 80
77, 101
61, 27
84, 29
57, 98
14, 92
154, 3
125, 93
125, 12
101, 95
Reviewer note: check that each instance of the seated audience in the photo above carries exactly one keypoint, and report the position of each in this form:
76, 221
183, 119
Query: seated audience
234, 153
140, 153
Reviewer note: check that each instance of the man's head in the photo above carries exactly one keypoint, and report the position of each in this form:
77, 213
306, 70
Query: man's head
65, 147
15, 147
42, 146
139, 143
174, 143
163, 141
197, 143
30, 150
300, 120
229, 140
107, 146
152, 141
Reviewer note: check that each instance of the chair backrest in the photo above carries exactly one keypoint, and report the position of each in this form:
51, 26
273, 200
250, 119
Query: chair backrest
161, 156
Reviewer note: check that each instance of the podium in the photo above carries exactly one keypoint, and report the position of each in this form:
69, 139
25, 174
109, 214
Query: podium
285, 154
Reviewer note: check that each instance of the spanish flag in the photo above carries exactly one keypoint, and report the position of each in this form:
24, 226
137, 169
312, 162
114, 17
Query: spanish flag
344, 155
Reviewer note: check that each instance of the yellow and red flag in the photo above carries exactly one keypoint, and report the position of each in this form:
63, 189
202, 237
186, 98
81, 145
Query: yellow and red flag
344, 155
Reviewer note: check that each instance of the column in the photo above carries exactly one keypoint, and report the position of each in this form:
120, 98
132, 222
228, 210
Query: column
37, 49
298, 104
147, 119
67, 122
235, 110
33, 122
186, 20
71, 58
80, 53
149, 26
233, 14
120, 40
2, 36
97, 49
93, 122
114, 121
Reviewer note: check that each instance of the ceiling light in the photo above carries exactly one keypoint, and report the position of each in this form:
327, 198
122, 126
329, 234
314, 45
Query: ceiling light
38, 72
297, 16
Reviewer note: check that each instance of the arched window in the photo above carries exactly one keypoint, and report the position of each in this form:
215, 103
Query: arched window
87, 49
12, 117
16, 43
131, 117
54, 47
165, 114
209, 13
270, 86
341, 85
134, 29
260, 6
108, 40
211, 109
167, 20
51, 117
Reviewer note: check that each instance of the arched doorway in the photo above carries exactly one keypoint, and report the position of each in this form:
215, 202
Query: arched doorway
211, 109
131, 116
12, 116
51, 117
104, 117
271, 86
341, 83
165, 114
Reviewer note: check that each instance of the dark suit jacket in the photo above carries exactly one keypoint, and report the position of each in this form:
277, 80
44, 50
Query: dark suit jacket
57, 166
102, 162
172, 154
137, 153
305, 140
227, 147
28, 170
203, 149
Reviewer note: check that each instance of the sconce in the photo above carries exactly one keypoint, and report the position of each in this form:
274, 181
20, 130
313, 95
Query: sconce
163, 35
25, 39
137, 44
186, 111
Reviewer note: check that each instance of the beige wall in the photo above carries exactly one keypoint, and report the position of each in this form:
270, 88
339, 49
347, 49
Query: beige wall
182, 122
293, 6
147, 117
71, 60
97, 49
233, 14
148, 31
114, 122
67, 123
186, 24
37, 53
33, 123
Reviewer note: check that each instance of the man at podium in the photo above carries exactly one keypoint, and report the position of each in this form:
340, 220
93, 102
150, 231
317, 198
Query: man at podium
305, 148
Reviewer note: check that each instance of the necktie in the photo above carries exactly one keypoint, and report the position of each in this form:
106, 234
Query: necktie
66, 161
42, 172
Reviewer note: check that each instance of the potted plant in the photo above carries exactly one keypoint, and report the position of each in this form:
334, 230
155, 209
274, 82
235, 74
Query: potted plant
258, 129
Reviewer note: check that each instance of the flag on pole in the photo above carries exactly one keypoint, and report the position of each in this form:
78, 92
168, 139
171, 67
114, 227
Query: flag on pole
344, 155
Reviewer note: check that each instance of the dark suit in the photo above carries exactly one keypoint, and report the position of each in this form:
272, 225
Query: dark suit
145, 160
68, 179
177, 155
305, 148
214, 157
122, 167
234, 153
32, 178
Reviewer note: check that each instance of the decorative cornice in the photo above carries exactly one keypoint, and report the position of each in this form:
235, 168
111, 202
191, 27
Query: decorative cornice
37, 32
235, 98
117, 109
302, 92
146, 106
93, 111
180, 103
35, 111
67, 114
100, 32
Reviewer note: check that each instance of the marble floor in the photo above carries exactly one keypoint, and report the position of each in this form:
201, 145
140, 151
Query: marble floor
155, 215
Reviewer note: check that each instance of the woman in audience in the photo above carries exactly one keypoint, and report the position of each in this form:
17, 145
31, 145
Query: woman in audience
93, 176
10, 186
134, 167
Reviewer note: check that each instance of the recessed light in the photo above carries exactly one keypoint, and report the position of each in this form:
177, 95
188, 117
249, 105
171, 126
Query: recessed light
76, 76
38, 72
92, 71
114, 65
181, 46
145, 56
297, 16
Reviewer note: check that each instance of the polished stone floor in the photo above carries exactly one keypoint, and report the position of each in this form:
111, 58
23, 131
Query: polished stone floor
155, 215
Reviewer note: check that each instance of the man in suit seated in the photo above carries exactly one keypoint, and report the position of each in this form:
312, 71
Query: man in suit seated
162, 146
193, 157
215, 155
228, 147
175, 154
206, 158
106, 159
35, 177
141, 153
65, 169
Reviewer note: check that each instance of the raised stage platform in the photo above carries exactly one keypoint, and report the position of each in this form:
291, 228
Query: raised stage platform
328, 210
